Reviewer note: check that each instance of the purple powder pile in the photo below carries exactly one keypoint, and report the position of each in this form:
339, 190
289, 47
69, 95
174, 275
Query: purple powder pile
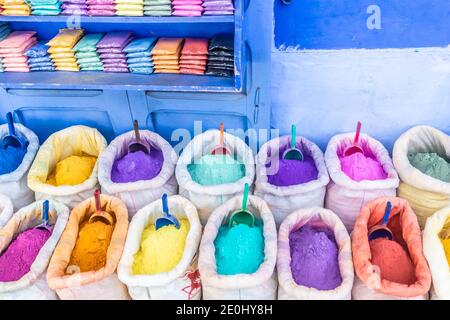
314, 258
293, 172
137, 166
16, 260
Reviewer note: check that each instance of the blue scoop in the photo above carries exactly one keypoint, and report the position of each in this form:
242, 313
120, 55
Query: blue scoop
381, 230
167, 219
12, 140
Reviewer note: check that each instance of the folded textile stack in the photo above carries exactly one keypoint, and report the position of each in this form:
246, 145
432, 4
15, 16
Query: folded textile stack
221, 56
138, 55
13, 48
166, 55
61, 49
39, 59
14, 8
86, 52
129, 7
157, 7
194, 56
74, 7
101, 7
45, 7
111, 51
218, 7
5, 30
187, 8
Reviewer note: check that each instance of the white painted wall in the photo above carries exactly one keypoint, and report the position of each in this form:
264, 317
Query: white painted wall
391, 90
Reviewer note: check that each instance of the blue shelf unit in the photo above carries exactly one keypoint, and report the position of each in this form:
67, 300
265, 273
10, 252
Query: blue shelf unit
49, 101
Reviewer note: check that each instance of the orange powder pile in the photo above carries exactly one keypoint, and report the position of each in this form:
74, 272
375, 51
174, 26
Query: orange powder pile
91, 247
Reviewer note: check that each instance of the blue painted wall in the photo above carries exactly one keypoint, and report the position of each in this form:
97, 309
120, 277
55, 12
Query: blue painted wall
340, 24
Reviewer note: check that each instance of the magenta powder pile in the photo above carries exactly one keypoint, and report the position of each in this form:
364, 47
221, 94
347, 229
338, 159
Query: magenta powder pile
16, 260
314, 258
137, 166
359, 167
293, 172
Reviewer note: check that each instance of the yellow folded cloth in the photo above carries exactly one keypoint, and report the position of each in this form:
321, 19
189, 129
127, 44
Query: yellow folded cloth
66, 38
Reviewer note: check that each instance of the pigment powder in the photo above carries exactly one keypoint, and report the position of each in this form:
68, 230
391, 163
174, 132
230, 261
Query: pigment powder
444, 236
89, 253
72, 171
10, 159
16, 260
359, 167
314, 258
161, 250
446, 245
431, 164
394, 262
239, 249
137, 166
293, 172
216, 169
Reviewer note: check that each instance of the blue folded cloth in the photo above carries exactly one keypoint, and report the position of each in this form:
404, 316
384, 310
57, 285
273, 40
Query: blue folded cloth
140, 65
142, 70
43, 69
139, 54
38, 50
142, 44
139, 60
39, 59
4, 33
40, 64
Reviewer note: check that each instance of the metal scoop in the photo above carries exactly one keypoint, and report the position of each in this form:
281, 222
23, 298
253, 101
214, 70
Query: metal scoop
381, 230
44, 213
167, 219
11, 140
242, 216
293, 153
221, 149
138, 144
99, 214
355, 147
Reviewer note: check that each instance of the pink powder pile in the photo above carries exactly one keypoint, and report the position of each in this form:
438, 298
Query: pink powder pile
16, 260
359, 167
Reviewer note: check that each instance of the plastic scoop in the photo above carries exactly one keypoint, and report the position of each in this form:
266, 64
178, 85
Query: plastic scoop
381, 230
242, 216
221, 149
293, 153
44, 213
138, 144
11, 140
99, 214
355, 147
167, 219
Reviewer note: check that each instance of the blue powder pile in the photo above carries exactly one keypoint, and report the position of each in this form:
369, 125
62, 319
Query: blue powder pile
239, 249
10, 159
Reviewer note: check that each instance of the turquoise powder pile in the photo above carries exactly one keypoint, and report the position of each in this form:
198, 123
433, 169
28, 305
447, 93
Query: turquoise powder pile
239, 249
216, 169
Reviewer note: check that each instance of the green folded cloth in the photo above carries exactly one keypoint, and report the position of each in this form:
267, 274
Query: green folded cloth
42, 2
88, 43
88, 54
88, 60
92, 69
47, 7
92, 65
157, 7
45, 12
158, 13
157, 2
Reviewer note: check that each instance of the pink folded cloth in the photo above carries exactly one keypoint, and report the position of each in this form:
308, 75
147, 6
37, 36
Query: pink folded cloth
113, 56
15, 65
16, 39
25, 46
186, 13
20, 59
20, 69
189, 7
183, 2
100, 2
110, 7
115, 69
102, 12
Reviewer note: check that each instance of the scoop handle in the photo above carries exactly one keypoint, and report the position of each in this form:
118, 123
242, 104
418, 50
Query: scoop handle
293, 135
222, 128
387, 212
165, 204
45, 210
9, 119
136, 130
245, 197
358, 132
98, 204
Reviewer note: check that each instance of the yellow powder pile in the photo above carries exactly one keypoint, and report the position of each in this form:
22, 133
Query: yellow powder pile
72, 171
444, 235
446, 244
161, 249
91, 247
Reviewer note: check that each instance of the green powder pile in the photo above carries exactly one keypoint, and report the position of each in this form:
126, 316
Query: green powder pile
431, 164
216, 169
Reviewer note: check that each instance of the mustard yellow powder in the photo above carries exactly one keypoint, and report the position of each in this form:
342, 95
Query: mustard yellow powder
72, 171
446, 244
161, 250
91, 247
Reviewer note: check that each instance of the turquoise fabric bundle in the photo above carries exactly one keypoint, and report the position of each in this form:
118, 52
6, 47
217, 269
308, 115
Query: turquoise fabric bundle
45, 7
157, 7
138, 55
86, 52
